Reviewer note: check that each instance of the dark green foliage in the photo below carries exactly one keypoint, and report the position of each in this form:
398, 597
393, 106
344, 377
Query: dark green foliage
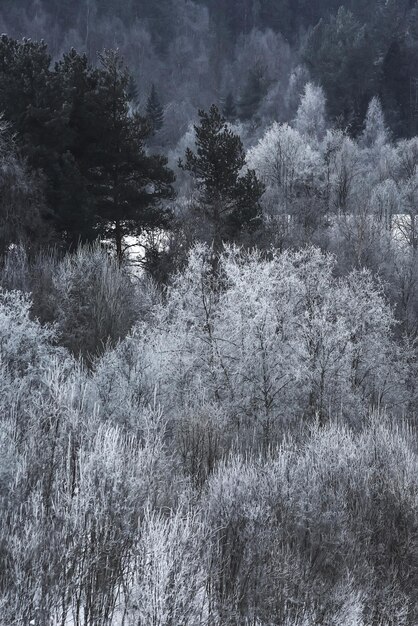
155, 112
229, 200
161, 20
74, 124
77, 82
229, 109
21, 201
127, 185
339, 55
26, 94
399, 92
46, 110
252, 94
132, 93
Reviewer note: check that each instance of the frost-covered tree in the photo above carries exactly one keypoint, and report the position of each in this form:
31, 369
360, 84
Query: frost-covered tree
310, 118
385, 202
343, 171
25, 344
299, 343
172, 567
286, 163
375, 133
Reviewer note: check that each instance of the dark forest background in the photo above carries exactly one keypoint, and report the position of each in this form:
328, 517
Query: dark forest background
197, 53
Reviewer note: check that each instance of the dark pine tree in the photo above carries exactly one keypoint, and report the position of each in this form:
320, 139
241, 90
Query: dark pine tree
128, 185
74, 204
25, 80
339, 54
229, 199
40, 104
251, 96
397, 82
132, 93
155, 112
229, 109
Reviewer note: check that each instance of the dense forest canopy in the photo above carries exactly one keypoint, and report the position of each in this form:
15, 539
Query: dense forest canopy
197, 53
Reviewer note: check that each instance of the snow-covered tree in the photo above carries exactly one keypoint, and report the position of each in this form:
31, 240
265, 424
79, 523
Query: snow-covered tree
286, 163
171, 570
310, 119
375, 133
385, 202
341, 157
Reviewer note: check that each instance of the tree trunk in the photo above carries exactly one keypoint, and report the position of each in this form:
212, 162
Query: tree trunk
118, 241
217, 235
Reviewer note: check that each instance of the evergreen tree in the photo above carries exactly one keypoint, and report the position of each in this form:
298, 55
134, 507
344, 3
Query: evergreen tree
229, 199
69, 192
132, 93
254, 91
21, 201
25, 79
127, 184
340, 56
154, 110
229, 109
75, 125
398, 72
43, 106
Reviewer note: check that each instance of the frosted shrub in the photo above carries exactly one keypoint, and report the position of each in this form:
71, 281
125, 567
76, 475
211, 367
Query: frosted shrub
96, 301
268, 342
24, 343
171, 571
317, 530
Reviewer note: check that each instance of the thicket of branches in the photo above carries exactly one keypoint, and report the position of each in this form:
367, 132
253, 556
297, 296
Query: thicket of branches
245, 454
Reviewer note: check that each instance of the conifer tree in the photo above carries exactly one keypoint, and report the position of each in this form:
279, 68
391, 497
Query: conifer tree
132, 92
155, 112
69, 191
25, 79
229, 109
48, 112
252, 94
229, 199
128, 185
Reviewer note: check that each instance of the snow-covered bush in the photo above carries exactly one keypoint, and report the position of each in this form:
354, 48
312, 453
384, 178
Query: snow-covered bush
96, 301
